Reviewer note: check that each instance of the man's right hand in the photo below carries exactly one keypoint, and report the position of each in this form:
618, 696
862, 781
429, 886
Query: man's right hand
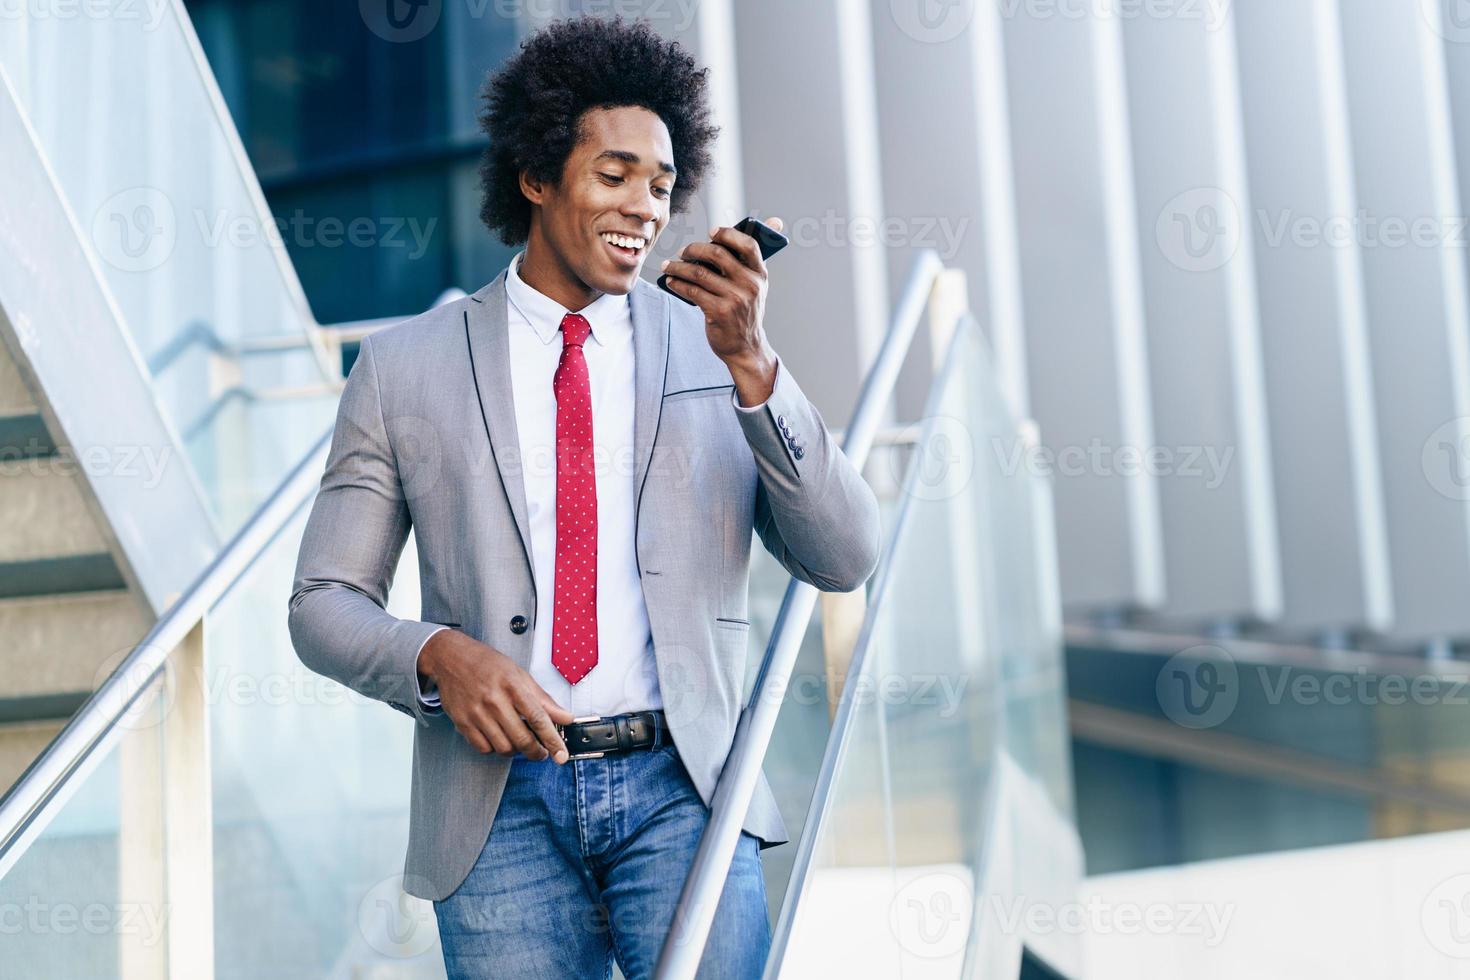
494, 703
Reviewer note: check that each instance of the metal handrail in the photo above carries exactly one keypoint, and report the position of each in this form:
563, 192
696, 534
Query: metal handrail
685, 943
30, 804
842, 720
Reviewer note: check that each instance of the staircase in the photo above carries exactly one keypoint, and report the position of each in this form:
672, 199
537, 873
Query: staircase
65, 605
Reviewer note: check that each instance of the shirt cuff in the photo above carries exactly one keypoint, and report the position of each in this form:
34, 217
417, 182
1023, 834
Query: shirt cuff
735, 393
428, 690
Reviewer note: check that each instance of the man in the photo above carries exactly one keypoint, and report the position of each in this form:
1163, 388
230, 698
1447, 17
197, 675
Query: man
582, 458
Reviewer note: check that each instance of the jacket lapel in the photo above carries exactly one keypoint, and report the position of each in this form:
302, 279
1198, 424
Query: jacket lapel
489, 344
651, 324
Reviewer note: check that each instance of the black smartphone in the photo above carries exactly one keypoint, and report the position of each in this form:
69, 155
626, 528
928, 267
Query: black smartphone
767, 238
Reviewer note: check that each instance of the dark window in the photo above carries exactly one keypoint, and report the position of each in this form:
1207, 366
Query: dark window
365, 141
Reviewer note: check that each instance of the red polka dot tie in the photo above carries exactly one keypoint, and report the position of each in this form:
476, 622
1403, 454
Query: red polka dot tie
574, 603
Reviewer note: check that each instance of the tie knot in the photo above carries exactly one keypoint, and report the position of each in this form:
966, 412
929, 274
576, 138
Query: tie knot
574, 329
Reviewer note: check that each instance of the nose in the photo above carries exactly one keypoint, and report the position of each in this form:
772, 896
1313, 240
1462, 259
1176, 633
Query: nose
641, 204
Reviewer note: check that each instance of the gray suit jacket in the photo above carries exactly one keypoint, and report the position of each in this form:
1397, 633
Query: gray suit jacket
426, 438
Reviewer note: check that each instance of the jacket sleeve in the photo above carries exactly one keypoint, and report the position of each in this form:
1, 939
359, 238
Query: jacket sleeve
349, 552
813, 510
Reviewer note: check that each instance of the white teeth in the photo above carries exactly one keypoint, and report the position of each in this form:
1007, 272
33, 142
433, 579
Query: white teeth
623, 240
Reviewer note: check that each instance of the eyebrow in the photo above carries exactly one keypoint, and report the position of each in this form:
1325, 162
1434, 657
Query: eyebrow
627, 156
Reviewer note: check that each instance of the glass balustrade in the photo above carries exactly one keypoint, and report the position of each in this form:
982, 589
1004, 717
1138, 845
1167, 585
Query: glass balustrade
309, 786
148, 162
951, 735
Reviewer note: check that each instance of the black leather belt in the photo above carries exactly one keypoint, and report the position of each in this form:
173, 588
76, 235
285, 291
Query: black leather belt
594, 736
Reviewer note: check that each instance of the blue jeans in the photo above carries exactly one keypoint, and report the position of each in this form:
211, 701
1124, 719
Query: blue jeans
584, 863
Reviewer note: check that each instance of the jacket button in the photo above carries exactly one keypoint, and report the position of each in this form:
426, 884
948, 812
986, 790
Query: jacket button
798, 452
518, 624
781, 423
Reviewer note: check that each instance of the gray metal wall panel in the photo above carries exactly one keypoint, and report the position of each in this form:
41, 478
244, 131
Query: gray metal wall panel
1416, 299
947, 181
1218, 519
1084, 328
1329, 497
810, 156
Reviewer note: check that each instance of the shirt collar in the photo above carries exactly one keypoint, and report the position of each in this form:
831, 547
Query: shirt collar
608, 315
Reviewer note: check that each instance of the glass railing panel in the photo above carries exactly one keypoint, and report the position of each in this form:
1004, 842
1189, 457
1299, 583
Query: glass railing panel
311, 784
1015, 543
85, 900
955, 717
803, 727
842, 926
169, 208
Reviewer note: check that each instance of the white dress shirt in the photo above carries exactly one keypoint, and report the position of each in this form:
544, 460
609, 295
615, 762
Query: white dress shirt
625, 678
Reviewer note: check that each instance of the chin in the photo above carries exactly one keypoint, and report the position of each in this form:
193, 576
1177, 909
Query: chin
618, 282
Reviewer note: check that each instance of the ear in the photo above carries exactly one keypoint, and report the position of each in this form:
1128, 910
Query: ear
535, 190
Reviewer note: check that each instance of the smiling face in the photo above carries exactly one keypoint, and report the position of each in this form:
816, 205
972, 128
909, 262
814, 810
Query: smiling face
591, 233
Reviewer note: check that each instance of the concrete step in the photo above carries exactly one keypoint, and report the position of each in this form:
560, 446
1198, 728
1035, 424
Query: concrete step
49, 540
44, 513
20, 742
55, 645
15, 395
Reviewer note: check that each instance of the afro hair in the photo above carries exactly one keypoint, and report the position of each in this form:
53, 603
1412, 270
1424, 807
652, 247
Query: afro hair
534, 104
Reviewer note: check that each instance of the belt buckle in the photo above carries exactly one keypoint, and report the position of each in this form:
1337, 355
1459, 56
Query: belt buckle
560, 730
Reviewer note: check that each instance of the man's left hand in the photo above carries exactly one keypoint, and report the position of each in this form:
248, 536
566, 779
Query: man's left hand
734, 305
